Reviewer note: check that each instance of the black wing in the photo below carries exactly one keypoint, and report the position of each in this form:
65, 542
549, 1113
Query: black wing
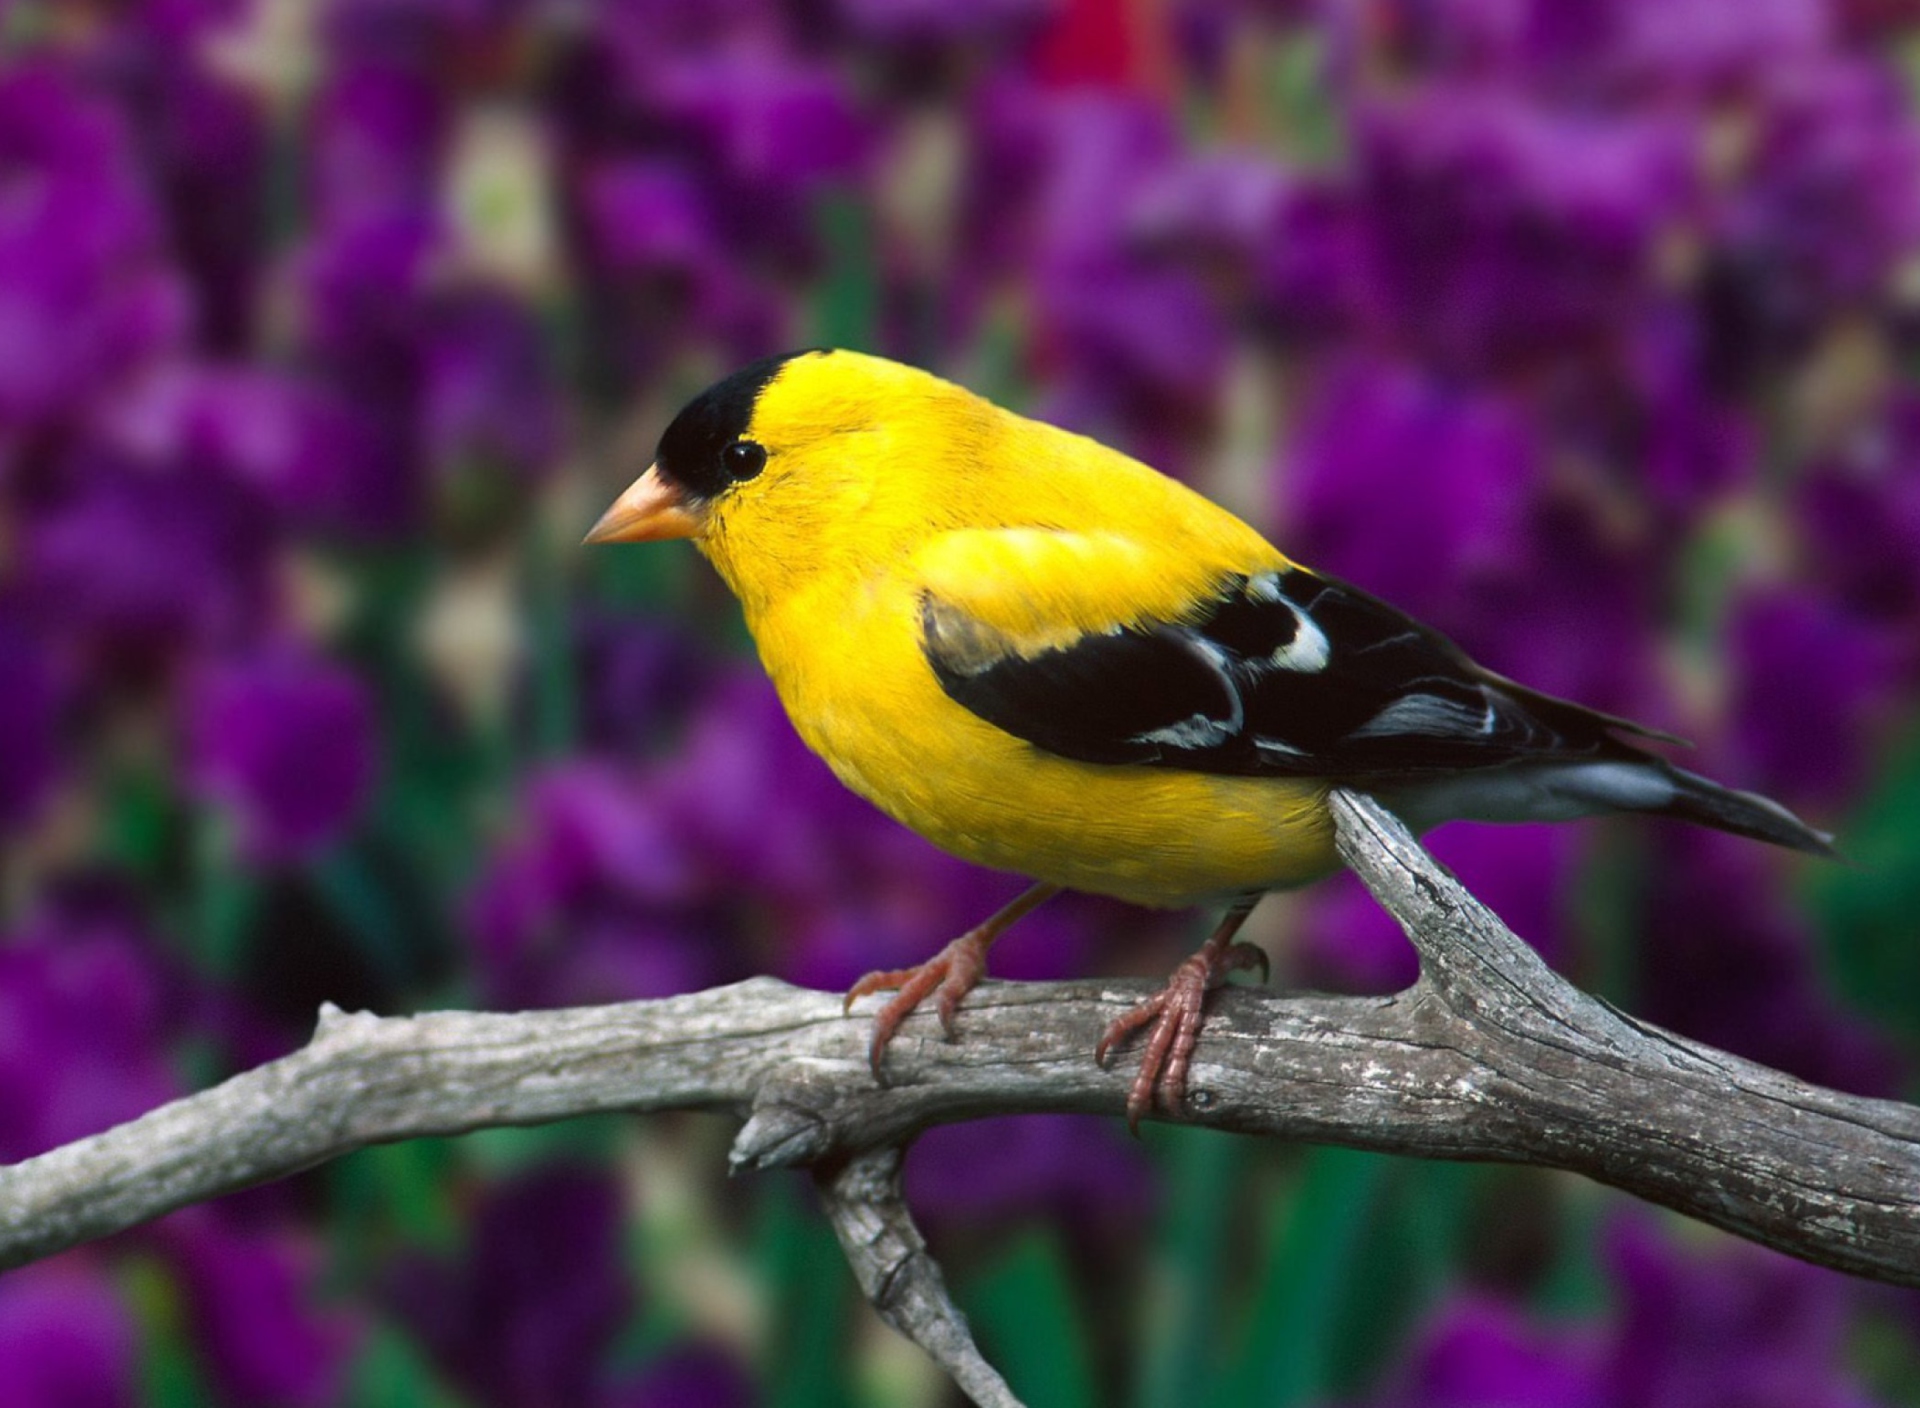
1285, 673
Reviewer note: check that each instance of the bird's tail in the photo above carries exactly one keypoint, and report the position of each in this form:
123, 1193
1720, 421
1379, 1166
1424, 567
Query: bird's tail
1707, 803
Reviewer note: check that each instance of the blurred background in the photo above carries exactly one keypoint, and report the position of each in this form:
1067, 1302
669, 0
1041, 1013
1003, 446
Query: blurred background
1584, 329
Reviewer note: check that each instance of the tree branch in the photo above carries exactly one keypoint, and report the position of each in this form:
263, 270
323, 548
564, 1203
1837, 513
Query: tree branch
1489, 1056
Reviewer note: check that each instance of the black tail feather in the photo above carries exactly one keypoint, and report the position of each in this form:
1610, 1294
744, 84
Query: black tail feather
1707, 803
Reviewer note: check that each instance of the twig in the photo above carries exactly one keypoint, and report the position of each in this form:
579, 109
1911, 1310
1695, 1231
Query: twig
889, 1257
1489, 1056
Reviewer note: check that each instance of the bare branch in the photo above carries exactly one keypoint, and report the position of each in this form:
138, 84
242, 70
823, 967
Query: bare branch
889, 1257
1489, 1056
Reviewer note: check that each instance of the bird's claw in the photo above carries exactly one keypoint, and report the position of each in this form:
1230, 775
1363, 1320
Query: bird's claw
1173, 1015
948, 976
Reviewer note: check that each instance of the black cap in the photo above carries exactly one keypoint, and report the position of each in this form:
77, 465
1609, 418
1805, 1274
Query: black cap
693, 451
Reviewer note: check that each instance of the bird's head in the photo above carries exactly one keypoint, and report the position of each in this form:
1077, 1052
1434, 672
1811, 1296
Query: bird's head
795, 463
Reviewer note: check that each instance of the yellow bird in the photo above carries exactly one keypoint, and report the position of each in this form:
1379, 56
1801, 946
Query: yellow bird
1048, 658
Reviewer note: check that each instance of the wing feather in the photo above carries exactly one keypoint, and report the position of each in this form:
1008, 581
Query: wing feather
1281, 672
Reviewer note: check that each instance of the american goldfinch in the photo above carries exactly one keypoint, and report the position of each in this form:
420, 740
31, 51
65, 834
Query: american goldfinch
1048, 658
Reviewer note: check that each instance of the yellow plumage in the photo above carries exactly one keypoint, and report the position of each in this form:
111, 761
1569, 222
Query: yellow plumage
870, 501
1046, 657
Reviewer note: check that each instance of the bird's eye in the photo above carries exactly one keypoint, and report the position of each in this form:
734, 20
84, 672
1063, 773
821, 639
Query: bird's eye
744, 459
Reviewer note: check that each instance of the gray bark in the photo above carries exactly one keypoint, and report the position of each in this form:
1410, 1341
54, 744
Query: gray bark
1490, 1055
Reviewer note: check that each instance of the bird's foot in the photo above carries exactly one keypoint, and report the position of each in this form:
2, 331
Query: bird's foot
950, 974
1174, 1014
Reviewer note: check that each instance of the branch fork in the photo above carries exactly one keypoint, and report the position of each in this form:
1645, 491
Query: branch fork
1490, 1055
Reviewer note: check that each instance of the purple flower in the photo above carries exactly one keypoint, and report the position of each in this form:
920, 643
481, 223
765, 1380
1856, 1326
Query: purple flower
85, 295
1814, 687
1411, 487
140, 563
647, 214
420, 33
775, 124
927, 24
29, 726
283, 742
654, 245
1076, 1171
67, 1338
1436, 497
1482, 1353
527, 1312
379, 134
85, 1017
1504, 234
1827, 211
616, 880
1723, 960
1221, 207
1743, 1327
250, 1297
596, 898
206, 142
1859, 516
487, 391
638, 678
771, 131
1522, 873
286, 439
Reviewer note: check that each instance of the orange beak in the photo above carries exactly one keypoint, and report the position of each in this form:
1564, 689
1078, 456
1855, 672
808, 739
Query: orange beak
651, 509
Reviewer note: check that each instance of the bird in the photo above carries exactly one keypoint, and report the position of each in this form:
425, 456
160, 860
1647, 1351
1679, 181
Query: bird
1047, 657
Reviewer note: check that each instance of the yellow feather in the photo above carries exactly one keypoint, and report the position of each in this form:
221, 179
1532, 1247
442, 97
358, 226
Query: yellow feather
884, 484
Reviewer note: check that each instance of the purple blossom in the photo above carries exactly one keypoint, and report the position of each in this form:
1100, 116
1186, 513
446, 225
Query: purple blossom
29, 726
638, 679
925, 24
616, 879
647, 214
1504, 235
1437, 497
420, 33
1741, 1328
652, 241
85, 293
1685, 46
1859, 516
1221, 207
251, 1304
595, 898
487, 389
1622, 50
774, 131
1482, 1353
286, 439
283, 742
962, 1178
139, 566
85, 1016
206, 141
1412, 488
1814, 687
1827, 210
526, 1313
1723, 959
379, 136
67, 1337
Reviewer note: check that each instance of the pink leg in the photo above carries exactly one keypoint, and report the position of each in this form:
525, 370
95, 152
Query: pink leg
952, 973
1174, 1015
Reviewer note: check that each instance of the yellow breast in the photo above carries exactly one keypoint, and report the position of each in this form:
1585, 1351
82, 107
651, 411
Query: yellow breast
849, 669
